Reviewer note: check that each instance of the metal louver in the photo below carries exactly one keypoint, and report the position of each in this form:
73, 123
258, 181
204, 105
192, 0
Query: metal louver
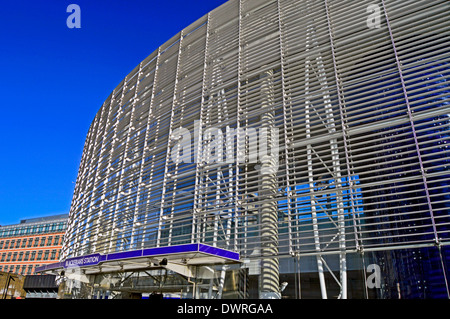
363, 118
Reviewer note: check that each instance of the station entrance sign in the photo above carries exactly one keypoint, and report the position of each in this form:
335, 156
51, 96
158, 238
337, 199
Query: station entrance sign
88, 260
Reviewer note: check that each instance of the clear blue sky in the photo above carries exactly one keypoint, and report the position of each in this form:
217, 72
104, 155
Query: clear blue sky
54, 79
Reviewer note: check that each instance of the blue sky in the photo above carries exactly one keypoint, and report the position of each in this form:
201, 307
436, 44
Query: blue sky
53, 81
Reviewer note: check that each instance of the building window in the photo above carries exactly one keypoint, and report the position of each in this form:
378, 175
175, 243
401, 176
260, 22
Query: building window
1, 244
9, 257
46, 255
39, 255
53, 255
49, 240
20, 256
56, 242
18, 243
33, 255
30, 267
36, 242
14, 256
24, 242
12, 243
6, 244
42, 242
30, 242
27, 255
3, 257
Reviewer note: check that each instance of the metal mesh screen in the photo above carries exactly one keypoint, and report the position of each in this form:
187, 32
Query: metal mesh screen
359, 116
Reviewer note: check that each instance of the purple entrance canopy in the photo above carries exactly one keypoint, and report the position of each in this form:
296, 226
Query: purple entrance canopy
189, 254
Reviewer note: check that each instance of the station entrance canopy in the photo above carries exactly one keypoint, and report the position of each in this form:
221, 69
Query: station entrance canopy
182, 259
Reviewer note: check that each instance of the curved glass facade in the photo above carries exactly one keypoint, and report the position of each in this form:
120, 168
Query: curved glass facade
311, 137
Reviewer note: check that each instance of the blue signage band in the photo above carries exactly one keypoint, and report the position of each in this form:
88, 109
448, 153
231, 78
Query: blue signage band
95, 259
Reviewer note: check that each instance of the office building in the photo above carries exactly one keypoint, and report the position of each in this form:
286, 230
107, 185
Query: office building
273, 149
31, 243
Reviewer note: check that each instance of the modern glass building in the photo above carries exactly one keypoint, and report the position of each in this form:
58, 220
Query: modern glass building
273, 149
